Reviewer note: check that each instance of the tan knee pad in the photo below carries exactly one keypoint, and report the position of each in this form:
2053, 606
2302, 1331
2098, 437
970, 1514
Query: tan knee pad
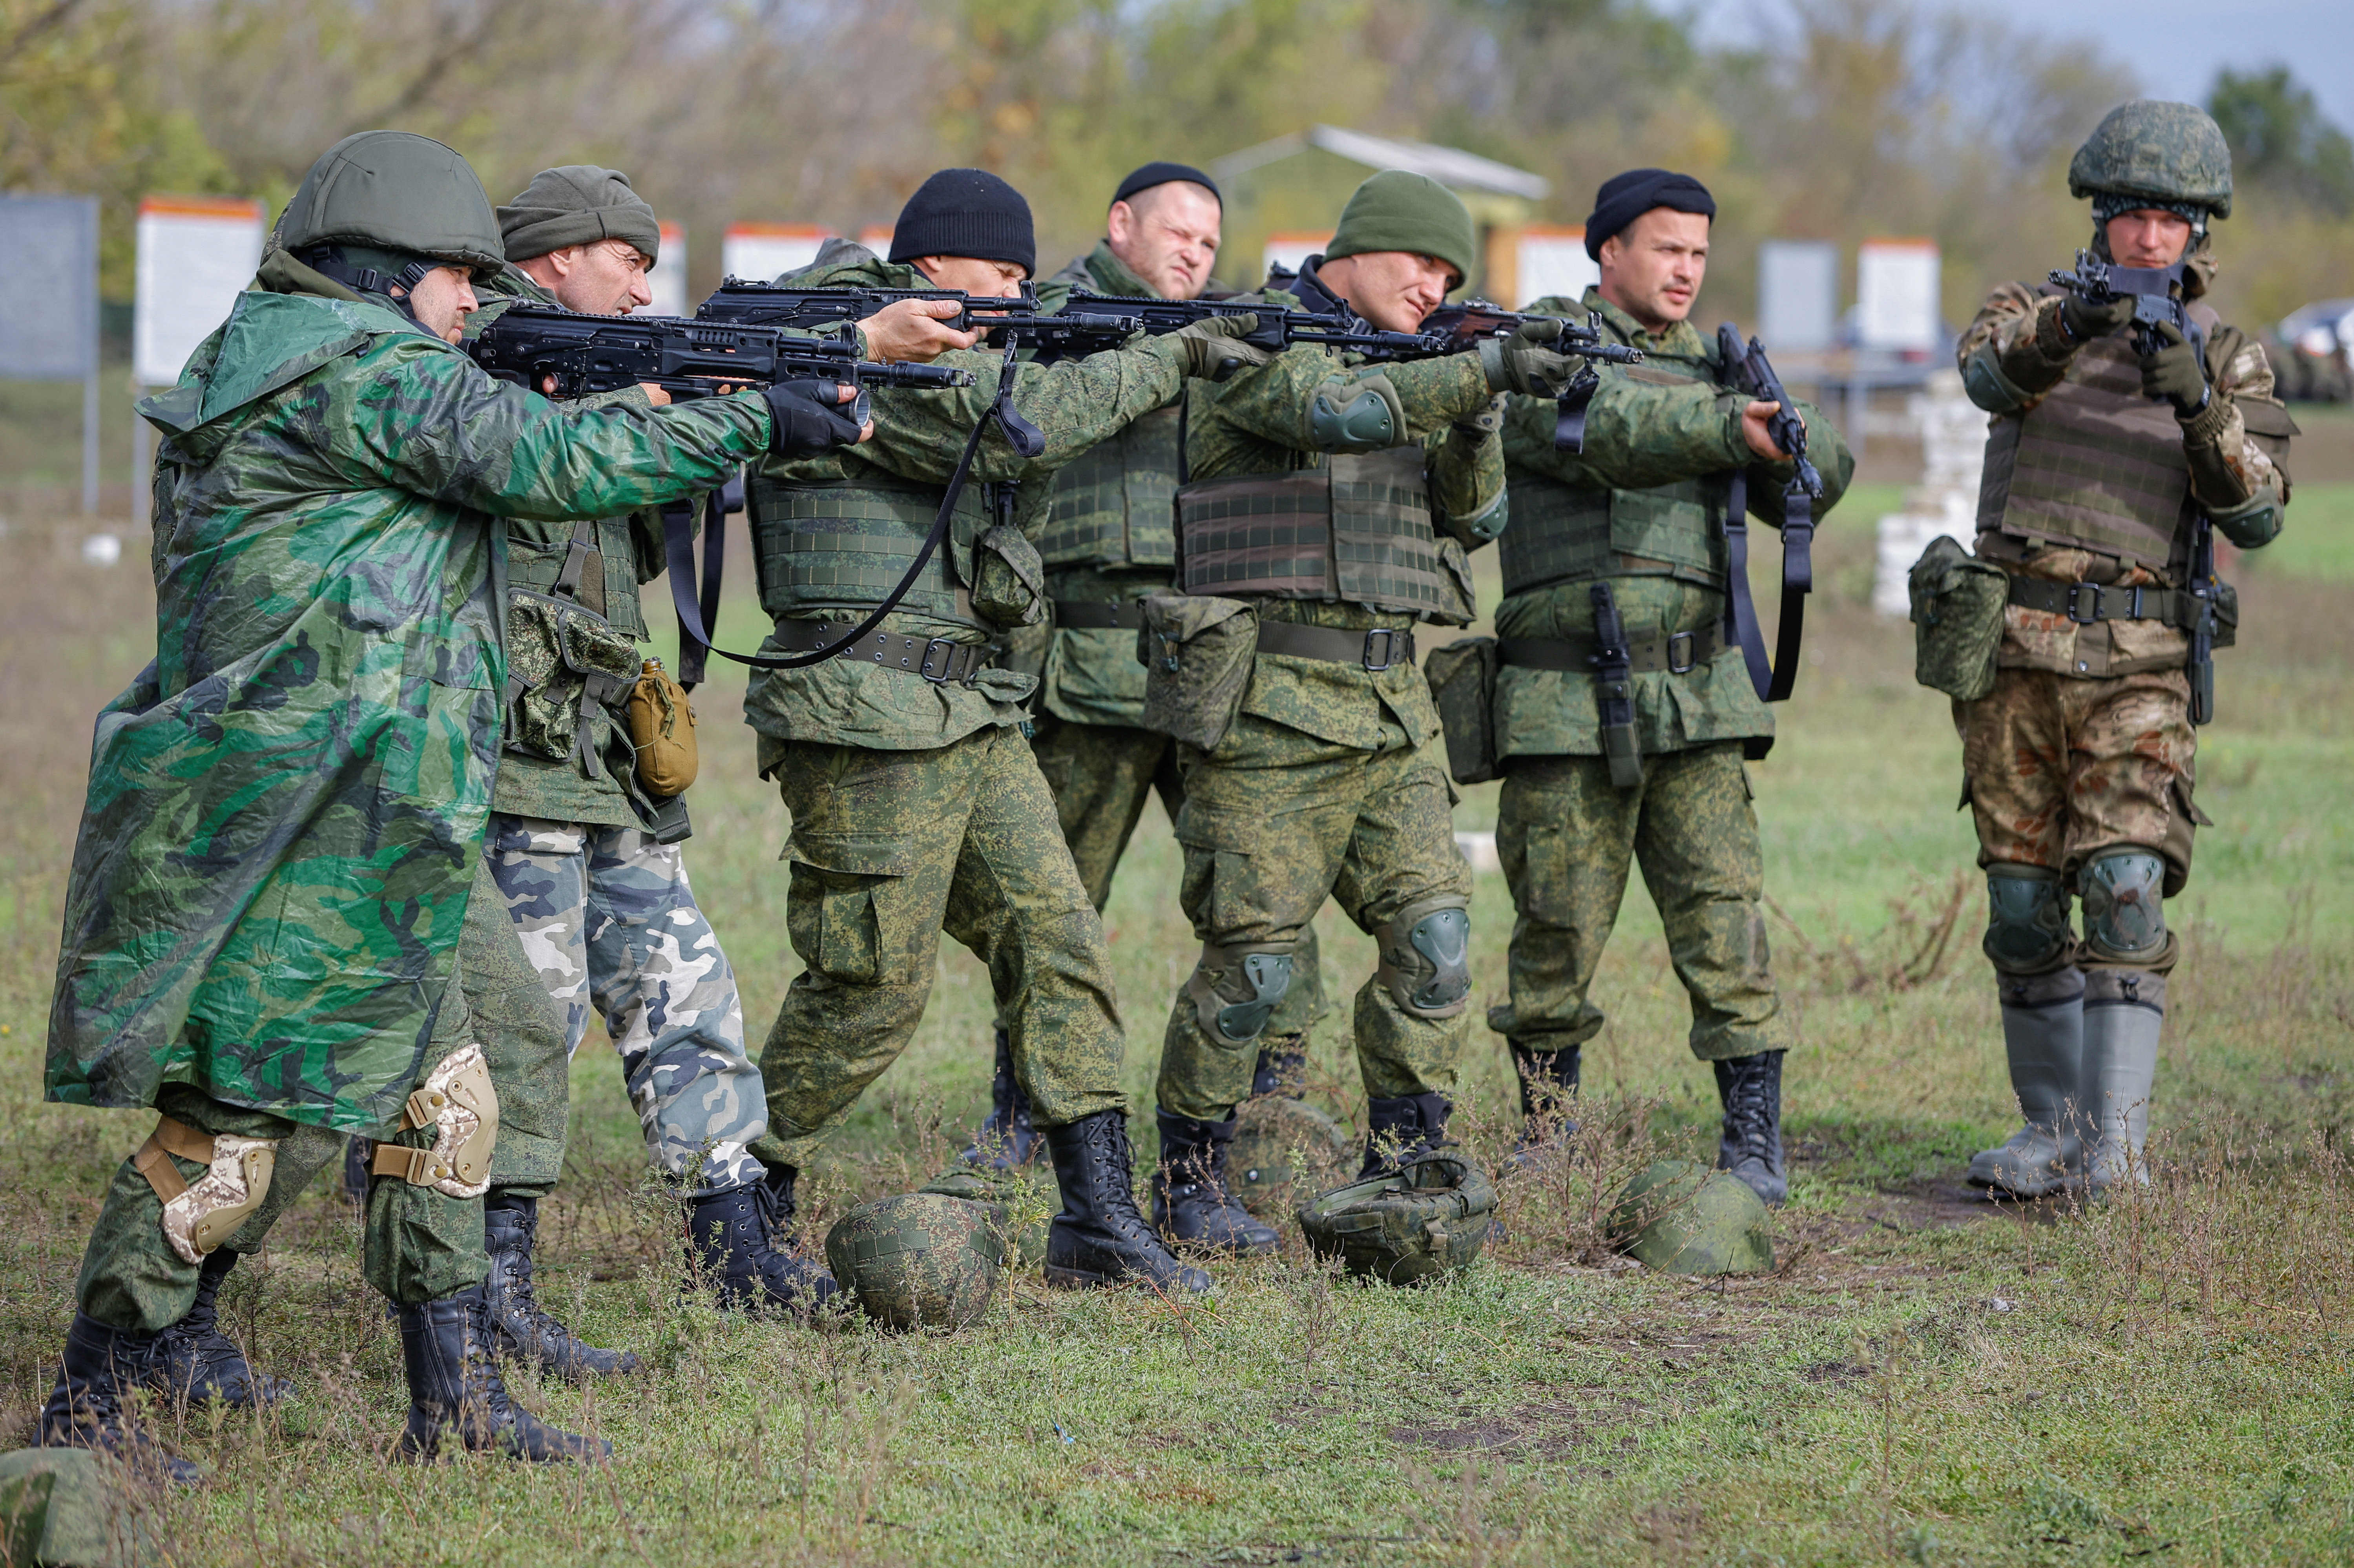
198, 1217
1236, 990
457, 1101
1426, 957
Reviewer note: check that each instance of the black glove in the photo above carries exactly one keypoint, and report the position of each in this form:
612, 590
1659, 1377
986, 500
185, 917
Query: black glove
2175, 373
2086, 323
809, 422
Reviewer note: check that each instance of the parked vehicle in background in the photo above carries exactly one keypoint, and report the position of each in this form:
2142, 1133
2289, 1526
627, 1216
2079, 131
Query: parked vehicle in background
2316, 364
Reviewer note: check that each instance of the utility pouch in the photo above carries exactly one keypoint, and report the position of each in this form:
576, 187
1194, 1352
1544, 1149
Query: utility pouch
1196, 652
1460, 599
1008, 578
2227, 614
1462, 677
566, 666
660, 722
1957, 605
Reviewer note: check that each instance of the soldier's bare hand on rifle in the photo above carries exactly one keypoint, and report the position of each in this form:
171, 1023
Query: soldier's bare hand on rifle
1754, 431
910, 330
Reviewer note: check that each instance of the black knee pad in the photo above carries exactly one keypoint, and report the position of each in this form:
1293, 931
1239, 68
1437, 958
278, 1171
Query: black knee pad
2027, 920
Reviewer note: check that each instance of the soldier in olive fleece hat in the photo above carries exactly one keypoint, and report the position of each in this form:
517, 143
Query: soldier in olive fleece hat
1412, 213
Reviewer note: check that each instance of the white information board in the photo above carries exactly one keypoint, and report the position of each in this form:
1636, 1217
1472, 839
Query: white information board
1553, 261
1896, 294
668, 280
763, 252
196, 254
1290, 248
1797, 295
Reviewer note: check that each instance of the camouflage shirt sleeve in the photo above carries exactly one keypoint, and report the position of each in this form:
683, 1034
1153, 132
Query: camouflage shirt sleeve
1638, 435
2013, 350
2240, 483
434, 424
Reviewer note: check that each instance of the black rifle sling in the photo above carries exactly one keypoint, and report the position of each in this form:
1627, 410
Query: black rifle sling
678, 548
1773, 682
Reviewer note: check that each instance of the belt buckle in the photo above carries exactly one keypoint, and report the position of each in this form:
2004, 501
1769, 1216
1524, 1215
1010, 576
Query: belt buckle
2068, 609
1685, 640
948, 662
1389, 649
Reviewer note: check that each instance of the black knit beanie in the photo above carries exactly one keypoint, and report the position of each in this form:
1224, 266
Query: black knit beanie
966, 212
1162, 174
1624, 197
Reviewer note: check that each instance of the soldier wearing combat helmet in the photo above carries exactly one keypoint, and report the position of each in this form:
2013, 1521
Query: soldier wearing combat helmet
2111, 450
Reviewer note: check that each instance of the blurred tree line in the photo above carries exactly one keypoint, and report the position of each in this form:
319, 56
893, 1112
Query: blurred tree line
1849, 119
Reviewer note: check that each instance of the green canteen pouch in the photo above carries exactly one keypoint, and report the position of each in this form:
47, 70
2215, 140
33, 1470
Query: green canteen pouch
1462, 677
1958, 604
563, 660
1197, 651
1009, 579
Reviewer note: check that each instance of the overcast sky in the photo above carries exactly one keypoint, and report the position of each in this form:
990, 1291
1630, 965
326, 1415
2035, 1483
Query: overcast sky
2177, 45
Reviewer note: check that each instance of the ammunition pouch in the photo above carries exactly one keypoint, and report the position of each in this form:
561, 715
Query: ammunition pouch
1236, 990
1957, 602
1425, 958
458, 1102
567, 669
199, 1216
1462, 677
1197, 652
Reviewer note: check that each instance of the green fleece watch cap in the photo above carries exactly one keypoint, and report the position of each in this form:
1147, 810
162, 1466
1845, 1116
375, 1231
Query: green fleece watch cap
579, 204
1395, 211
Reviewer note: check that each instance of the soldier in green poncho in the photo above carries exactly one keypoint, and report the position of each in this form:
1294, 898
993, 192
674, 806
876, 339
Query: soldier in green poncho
917, 805
1640, 513
279, 880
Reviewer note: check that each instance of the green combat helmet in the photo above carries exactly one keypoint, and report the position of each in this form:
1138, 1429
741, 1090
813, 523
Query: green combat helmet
1274, 1130
2165, 152
72, 1506
1680, 1218
385, 208
920, 1261
1429, 1217
1026, 1200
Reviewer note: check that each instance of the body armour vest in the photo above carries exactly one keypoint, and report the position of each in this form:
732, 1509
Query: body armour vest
2095, 463
1355, 531
609, 579
1112, 504
1562, 533
823, 547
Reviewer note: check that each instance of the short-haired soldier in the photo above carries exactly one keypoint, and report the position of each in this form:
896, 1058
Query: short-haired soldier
279, 887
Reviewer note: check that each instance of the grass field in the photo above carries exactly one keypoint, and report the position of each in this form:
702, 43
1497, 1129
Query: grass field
1927, 1378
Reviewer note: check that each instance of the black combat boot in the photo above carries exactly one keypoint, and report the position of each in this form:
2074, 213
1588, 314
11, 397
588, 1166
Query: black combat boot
1282, 1068
1751, 1146
100, 1368
1412, 1123
1548, 1084
194, 1361
445, 1347
1006, 1140
520, 1326
733, 1240
1191, 1205
1101, 1237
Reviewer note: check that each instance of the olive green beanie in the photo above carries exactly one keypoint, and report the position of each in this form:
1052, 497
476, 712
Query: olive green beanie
1395, 211
579, 204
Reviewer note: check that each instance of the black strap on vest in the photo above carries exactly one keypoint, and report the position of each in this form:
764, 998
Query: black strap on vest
694, 618
1773, 682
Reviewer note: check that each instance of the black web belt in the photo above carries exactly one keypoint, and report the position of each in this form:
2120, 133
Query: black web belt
934, 659
1677, 654
1372, 651
1096, 615
2085, 603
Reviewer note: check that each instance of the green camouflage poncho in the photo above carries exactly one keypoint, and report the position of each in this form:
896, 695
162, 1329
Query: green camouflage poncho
284, 807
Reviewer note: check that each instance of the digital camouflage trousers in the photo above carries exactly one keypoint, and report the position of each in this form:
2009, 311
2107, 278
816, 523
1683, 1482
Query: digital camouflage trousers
1280, 823
1567, 837
891, 848
607, 919
419, 1244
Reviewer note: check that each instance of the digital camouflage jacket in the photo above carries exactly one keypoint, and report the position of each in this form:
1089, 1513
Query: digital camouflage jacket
918, 435
1665, 430
285, 808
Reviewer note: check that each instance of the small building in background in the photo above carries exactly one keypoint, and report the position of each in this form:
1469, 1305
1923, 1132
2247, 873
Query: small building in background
1283, 197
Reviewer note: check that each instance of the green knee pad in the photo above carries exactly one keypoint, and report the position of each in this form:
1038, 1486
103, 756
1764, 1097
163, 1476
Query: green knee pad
1235, 1007
2027, 919
1425, 958
2124, 913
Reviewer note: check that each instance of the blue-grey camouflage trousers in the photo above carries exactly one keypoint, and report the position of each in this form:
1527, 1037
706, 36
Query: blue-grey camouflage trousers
607, 918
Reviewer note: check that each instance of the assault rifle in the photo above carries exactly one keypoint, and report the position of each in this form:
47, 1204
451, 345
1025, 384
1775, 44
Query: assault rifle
1746, 370
1614, 689
2156, 293
586, 355
1054, 335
